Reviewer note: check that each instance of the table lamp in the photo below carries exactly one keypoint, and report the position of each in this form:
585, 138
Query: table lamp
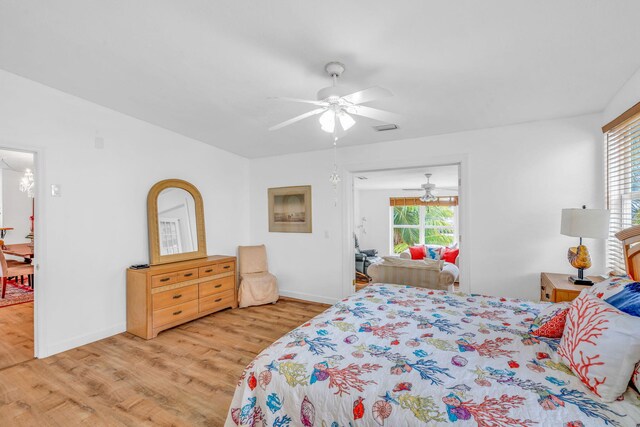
583, 223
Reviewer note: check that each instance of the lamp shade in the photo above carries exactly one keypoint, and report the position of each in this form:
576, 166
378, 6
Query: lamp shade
588, 223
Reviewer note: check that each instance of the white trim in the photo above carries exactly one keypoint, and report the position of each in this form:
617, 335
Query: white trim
82, 340
347, 172
39, 301
308, 297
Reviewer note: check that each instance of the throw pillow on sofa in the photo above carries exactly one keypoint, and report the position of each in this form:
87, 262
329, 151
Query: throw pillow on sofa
450, 255
433, 253
417, 252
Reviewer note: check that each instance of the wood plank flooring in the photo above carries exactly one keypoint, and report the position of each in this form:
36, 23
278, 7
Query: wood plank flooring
16, 334
186, 376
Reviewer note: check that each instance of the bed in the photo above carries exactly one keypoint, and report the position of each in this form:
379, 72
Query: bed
394, 355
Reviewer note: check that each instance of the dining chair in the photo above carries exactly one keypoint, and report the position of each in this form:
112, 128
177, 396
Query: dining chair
11, 268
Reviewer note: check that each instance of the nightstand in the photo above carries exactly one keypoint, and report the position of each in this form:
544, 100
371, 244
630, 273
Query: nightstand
556, 287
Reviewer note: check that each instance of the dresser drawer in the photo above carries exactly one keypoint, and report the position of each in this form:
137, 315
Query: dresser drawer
175, 313
221, 300
216, 286
174, 296
213, 269
164, 279
185, 275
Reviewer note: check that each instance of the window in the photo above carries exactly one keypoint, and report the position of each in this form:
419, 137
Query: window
432, 224
622, 157
170, 241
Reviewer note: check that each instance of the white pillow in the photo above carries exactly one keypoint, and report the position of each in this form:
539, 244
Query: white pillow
601, 345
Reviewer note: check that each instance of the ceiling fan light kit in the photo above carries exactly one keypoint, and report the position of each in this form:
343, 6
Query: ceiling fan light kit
336, 105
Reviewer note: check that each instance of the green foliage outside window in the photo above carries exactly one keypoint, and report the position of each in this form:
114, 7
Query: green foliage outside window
435, 216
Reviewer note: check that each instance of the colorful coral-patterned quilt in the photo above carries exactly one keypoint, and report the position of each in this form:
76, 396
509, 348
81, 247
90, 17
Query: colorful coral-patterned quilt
400, 356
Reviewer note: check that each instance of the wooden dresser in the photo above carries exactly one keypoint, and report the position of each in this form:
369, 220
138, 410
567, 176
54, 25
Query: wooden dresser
163, 296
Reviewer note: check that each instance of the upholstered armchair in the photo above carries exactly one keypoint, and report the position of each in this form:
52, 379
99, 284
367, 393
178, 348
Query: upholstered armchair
257, 285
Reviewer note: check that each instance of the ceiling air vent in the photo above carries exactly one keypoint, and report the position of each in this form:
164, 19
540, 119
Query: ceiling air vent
382, 128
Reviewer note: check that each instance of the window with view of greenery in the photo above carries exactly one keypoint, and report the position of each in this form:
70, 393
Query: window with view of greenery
431, 225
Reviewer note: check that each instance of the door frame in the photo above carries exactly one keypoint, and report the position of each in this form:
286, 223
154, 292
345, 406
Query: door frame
349, 170
39, 230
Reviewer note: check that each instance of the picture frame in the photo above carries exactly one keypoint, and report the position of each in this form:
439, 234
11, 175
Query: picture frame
290, 209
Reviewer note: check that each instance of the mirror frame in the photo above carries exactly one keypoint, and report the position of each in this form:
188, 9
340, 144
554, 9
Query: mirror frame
152, 219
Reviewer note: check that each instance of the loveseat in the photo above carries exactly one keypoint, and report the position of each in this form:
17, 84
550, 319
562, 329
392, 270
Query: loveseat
425, 273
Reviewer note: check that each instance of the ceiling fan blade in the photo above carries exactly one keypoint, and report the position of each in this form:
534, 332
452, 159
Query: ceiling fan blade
374, 113
413, 189
367, 95
305, 101
297, 118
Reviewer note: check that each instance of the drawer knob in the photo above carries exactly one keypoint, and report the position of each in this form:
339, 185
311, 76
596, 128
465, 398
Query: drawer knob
217, 286
177, 296
175, 313
188, 275
227, 266
208, 271
166, 279
218, 300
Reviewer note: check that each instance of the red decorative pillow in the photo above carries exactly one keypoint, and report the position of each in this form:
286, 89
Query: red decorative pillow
417, 252
450, 255
554, 327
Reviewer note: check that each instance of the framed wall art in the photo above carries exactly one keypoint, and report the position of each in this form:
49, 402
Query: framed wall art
290, 209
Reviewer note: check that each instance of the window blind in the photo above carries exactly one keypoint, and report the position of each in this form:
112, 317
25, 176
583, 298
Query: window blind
622, 157
415, 201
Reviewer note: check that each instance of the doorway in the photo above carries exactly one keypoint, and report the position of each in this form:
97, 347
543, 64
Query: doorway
401, 208
17, 217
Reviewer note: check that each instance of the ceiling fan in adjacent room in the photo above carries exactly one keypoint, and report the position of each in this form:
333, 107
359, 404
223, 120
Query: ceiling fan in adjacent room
336, 106
429, 190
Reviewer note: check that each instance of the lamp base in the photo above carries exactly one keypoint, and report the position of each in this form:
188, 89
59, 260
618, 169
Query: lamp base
579, 281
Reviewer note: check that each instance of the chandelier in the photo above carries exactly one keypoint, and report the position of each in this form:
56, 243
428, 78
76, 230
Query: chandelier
27, 183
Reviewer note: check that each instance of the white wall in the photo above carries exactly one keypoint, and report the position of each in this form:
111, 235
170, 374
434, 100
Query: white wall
16, 208
374, 206
98, 227
627, 97
520, 177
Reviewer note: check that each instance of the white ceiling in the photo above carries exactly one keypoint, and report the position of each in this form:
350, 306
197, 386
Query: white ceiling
394, 179
206, 68
17, 160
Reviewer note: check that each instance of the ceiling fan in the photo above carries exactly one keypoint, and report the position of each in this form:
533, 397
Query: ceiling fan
338, 106
429, 190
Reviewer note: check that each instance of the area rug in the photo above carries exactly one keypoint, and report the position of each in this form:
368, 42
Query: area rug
16, 294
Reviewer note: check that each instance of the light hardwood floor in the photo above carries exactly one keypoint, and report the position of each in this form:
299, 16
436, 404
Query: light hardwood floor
16, 329
186, 376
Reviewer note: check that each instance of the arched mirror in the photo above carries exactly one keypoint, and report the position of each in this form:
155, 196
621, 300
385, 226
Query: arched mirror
176, 222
